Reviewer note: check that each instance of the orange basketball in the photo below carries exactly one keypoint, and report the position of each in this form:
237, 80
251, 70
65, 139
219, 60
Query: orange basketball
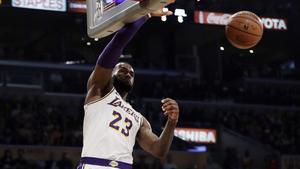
244, 29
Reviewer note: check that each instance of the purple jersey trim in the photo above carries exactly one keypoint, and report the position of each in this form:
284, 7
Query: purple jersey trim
104, 162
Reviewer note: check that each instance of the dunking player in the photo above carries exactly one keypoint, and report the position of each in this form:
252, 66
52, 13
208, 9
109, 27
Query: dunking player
111, 126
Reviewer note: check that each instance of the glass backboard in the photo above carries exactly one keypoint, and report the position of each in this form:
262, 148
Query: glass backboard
105, 17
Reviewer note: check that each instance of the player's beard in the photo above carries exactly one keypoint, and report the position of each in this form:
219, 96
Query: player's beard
121, 86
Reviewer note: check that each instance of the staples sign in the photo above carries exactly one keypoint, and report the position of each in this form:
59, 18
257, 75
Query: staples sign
50, 5
196, 135
215, 18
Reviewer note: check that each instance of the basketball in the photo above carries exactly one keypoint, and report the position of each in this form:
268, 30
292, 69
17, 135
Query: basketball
244, 30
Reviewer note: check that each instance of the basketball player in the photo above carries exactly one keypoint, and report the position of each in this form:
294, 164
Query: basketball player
111, 125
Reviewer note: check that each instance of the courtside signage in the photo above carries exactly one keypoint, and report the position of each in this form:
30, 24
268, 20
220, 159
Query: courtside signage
49, 5
216, 18
205, 136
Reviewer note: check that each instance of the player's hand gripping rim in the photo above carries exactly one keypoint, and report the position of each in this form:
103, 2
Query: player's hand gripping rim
162, 11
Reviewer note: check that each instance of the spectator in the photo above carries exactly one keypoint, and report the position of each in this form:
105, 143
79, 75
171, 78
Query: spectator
169, 164
231, 160
20, 162
6, 162
247, 161
141, 163
51, 163
64, 162
211, 164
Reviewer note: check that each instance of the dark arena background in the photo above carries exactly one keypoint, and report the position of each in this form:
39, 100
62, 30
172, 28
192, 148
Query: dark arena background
239, 109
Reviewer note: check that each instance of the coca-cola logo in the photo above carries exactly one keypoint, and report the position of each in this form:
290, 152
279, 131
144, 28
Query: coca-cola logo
203, 17
219, 19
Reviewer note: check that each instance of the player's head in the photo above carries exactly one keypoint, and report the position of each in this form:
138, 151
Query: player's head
123, 77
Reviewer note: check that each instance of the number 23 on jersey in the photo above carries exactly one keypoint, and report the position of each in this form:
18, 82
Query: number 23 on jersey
114, 124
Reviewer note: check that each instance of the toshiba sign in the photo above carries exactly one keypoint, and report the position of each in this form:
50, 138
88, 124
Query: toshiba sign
215, 18
207, 136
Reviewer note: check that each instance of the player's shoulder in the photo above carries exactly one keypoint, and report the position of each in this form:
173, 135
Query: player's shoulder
137, 111
97, 99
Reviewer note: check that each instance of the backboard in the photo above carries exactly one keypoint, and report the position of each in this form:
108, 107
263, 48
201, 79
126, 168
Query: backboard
105, 17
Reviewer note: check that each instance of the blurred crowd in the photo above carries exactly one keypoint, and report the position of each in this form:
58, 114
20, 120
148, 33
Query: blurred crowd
266, 93
256, 91
21, 161
34, 120
280, 130
37, 121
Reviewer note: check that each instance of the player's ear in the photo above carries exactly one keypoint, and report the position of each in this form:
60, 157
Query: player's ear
114, 70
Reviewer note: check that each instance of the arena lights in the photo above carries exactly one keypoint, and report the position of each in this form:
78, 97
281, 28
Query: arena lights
164, 18
198, 149
88, 43
128, 56
251, 51
180, 13
96, 39
72, 62
222, 48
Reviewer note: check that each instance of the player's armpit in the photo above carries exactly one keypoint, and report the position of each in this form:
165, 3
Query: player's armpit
100, 77
98, 83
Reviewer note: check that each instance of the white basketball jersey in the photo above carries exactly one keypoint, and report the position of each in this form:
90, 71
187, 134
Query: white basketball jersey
109, 129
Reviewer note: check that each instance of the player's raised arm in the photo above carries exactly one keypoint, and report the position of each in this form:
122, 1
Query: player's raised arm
99, 81
159, 146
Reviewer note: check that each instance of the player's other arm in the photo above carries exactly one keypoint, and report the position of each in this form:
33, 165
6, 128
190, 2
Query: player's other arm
159, 146
99, 81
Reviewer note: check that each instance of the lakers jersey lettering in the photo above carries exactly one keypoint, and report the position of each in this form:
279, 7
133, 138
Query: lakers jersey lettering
117, 102
110, 128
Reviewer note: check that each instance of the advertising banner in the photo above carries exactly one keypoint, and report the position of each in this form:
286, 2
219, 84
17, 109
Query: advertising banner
217, 18
49, 5
197, 135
